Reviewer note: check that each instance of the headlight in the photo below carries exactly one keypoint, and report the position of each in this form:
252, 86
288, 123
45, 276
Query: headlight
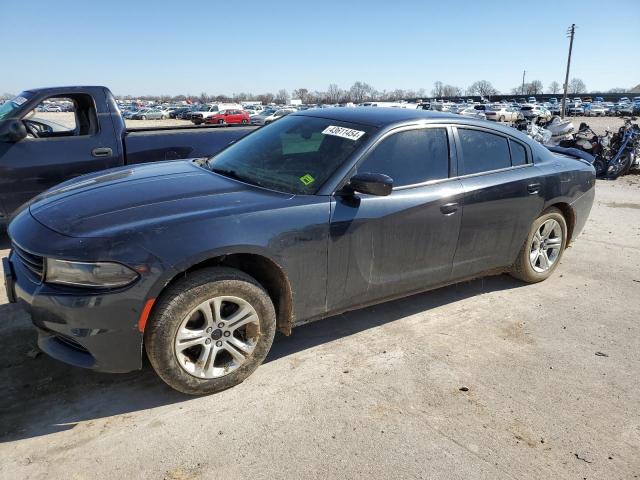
81, 274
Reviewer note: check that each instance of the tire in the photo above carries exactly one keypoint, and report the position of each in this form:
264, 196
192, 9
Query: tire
244, 121
178, 310
523, 268
143, 117
220, 122
622, 167
163, 117
501, 119
600, 164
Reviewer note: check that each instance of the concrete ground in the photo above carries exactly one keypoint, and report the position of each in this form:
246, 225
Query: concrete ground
490, 379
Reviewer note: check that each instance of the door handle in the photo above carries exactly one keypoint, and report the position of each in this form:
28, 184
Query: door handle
533, 188
449, 208
102, 152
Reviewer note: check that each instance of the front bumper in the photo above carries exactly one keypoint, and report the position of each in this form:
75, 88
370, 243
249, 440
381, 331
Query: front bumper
86, 328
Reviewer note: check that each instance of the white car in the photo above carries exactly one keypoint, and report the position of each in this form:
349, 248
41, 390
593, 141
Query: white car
278, 114
533, 112
502, 113
473, 112
595, 110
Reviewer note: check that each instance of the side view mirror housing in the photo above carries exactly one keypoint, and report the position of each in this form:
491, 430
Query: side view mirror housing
12, 131
371, 183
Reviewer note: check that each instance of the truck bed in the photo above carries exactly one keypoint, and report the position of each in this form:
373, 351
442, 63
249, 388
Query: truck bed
171, 143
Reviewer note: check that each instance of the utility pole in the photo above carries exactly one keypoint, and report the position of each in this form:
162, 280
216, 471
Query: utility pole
523, 73
570, 33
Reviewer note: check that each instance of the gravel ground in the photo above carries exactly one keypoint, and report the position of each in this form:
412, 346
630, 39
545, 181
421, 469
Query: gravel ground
490, 379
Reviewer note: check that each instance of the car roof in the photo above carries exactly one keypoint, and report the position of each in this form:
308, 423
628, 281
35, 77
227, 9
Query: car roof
385, 117
376, 116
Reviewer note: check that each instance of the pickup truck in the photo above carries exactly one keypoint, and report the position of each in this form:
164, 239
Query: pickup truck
37, 153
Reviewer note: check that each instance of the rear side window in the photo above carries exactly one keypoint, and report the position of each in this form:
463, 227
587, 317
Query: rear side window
411, 157
518, 154
483, 151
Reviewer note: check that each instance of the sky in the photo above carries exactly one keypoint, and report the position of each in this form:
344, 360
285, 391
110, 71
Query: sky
140, 47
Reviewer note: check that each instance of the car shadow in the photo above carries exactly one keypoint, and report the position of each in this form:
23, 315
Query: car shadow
41, 396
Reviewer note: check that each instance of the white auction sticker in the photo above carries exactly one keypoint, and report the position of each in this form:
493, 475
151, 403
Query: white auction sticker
19, 100
343, 132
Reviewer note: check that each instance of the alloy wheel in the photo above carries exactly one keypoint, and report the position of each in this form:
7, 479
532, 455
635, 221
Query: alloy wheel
217, 337
546, 246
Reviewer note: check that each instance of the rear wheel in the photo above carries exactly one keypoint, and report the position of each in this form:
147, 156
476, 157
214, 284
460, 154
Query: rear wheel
542, 251
501, 119
244, 121
620, 167
143, 117
210, 331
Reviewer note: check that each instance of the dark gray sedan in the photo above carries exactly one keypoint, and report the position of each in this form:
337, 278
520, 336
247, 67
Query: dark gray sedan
200, 262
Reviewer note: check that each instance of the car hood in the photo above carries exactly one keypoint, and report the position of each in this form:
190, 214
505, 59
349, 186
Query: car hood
145, 196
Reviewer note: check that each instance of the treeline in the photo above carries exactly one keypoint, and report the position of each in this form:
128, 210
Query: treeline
362, 91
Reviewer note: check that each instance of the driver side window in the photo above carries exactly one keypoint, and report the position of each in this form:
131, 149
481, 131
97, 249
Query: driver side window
410, 157
62, 117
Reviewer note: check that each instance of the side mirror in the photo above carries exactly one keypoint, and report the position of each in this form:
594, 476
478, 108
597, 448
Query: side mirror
371, 183
12, 131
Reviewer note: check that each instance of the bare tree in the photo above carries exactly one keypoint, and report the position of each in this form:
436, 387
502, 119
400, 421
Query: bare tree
266, 98
451, 91
334, 93
360, 91
534, 87
282, 97
554, 87
482, 88
302, 94
436, 91
576, 85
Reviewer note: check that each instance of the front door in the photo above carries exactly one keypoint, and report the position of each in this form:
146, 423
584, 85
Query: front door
60, 146
383, 247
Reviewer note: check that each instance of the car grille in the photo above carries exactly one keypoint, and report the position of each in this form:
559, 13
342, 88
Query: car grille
33, 263
196, 115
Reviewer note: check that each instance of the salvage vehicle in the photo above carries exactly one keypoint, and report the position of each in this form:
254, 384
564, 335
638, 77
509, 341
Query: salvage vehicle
200, 262
502, 113
36, 154
202, 114
229, 117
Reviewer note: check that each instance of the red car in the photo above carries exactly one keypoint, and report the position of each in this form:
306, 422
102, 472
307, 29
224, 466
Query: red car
229, 117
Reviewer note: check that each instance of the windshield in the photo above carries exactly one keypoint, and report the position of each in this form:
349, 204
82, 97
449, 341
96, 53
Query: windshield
296, 154
7, 108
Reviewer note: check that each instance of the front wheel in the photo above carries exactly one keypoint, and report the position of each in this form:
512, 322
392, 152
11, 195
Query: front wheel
220, 122
501, 119
245, 121
210, 331
543, 248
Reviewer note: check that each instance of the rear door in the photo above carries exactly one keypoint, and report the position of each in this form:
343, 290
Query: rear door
384, 246
503, 194
68, 145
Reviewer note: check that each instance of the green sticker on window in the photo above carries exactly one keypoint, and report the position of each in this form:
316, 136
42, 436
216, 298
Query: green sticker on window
307, 179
